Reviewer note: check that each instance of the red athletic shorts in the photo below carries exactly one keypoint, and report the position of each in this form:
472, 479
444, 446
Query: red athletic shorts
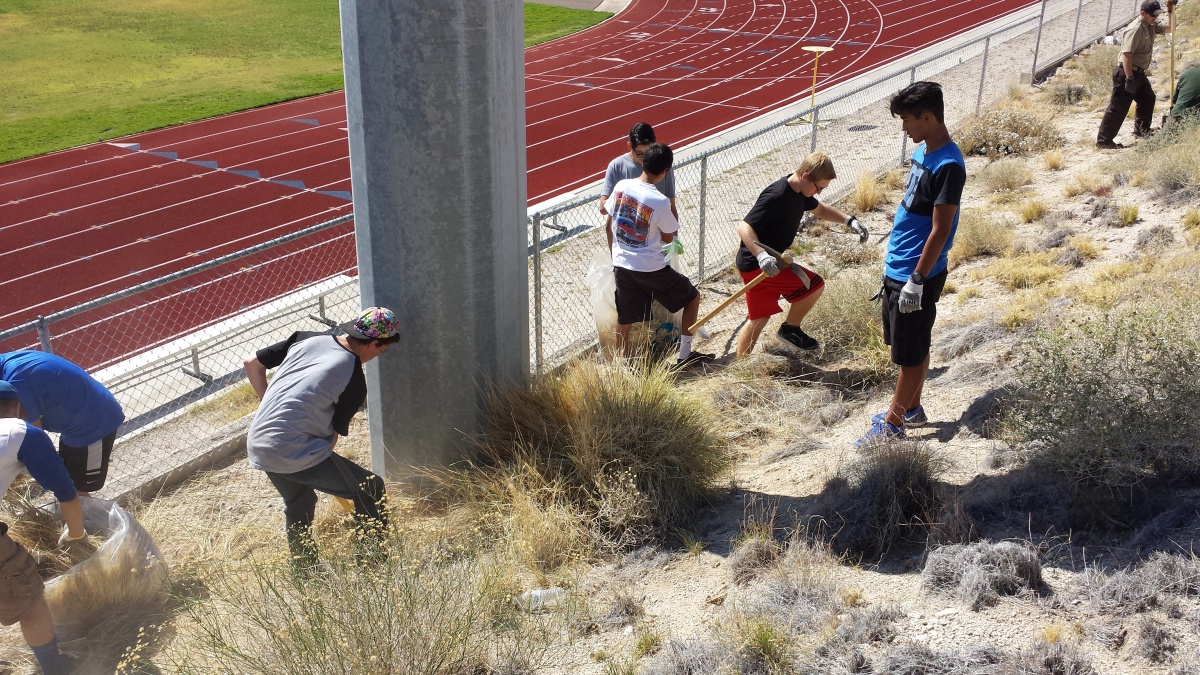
763, 300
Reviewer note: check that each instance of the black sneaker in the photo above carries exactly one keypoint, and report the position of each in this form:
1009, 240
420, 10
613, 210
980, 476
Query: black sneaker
695, 359
797, 337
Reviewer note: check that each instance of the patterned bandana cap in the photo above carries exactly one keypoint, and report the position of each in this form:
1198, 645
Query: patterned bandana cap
376, 323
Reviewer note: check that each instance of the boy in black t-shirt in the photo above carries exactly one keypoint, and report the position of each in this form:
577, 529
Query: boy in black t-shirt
775, 220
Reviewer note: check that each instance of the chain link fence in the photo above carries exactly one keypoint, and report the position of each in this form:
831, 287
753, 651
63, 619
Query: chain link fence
171, 349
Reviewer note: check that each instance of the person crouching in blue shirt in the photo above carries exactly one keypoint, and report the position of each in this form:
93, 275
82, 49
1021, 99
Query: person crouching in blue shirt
23, 446
915, 266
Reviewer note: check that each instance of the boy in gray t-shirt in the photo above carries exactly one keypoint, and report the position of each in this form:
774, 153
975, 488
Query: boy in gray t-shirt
629, 165
318, 387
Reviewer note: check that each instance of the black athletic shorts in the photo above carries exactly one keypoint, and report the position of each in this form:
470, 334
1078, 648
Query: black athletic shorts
910, 335
88, 467
637, 290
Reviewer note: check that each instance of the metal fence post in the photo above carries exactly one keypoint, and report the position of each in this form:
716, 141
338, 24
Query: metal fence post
812, 146
1037, 43
703, 207
537, 292
1108, 21
1078, 17
912, 77
987, 44
43, 329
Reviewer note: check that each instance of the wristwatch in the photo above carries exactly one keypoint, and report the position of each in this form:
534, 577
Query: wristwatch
916, 278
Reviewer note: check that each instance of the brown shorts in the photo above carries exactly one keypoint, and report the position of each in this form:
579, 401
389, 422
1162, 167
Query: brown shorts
20, 585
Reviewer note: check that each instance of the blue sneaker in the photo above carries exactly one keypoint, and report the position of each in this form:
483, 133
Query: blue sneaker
880, 431
913, 418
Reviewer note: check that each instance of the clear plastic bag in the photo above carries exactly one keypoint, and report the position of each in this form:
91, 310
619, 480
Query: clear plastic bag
125, 573
602, 288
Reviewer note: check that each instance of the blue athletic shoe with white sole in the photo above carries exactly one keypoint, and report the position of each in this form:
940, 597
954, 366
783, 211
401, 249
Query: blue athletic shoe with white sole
913, 418
880, 431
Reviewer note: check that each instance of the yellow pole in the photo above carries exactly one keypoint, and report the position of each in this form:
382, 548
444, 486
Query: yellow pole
816, 52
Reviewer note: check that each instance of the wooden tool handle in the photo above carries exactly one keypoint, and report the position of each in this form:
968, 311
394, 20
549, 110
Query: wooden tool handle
728, 301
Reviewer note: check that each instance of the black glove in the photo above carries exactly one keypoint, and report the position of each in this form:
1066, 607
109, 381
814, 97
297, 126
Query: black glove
1131, 84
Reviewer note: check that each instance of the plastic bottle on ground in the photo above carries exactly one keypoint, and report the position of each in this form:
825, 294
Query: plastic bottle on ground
541, 598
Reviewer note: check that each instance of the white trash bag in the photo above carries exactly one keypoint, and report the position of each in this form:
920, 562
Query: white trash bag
125, 573
602, 288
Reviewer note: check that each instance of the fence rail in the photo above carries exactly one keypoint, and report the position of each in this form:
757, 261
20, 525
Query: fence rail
171, 349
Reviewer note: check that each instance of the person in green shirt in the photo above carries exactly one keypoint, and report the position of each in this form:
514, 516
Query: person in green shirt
1186, 100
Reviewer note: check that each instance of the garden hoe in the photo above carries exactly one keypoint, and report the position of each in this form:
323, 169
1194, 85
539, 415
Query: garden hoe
784, 259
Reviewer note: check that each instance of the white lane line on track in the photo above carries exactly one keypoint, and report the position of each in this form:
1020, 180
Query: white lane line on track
283, 118
56, 302
117, 221
188, 160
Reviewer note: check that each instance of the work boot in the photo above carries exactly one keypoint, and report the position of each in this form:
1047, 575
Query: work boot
1109, 145
797, 337
695, 360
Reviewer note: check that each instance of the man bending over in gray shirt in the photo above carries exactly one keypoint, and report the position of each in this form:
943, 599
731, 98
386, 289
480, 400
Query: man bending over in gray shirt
318, 386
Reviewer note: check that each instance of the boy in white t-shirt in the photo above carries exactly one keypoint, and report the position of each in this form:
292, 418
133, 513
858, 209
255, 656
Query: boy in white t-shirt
641, 223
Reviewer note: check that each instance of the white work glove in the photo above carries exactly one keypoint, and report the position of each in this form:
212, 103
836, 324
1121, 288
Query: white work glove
856, 227
910, 297
766, 262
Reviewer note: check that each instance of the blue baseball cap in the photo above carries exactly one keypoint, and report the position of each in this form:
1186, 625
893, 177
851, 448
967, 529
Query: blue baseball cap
7, 391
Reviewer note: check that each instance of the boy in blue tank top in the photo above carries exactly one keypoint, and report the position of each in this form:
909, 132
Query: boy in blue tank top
915, 266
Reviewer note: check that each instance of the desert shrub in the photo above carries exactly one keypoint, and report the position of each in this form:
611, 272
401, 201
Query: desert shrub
1057, 658
1127, 215
1152, 641
1032, 210
980, 233
1191, 226
1026, 270
979, 573
1155, 238
688, 657
1005, 175
868, 193
849, 325
915, 659
1171, 158
412, 611
620, 444
1053, 160
1111, 400
847, 252
751, 557
1007, 132
1142, 587
890, 496
1087, 183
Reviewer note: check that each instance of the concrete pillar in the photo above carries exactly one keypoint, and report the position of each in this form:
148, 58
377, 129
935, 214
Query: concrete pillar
435, 95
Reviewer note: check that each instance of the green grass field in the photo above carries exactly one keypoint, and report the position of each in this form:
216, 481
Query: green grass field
81, 71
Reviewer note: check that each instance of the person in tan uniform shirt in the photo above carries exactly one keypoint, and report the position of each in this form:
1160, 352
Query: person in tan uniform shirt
1130, 83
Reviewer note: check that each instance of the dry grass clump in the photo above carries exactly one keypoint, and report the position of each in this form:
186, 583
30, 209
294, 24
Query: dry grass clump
1143, 587
1042, 658
1053, 160
980, 233
868, 193
687, 657
849, 326
1153, 642
618, 445
979, 573
1032, 210
1127, 215
896, 178
1086, 182
890, 496
414, 610
1112, 400
1026, 306
1007, 132
1172, 160
37, 529
1005, 175
1024, 270
847, 252
1155, 238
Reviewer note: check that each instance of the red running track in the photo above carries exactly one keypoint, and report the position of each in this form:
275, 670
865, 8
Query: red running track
81, 223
